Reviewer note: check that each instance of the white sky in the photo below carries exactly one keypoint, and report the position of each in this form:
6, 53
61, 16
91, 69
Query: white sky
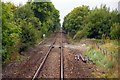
65, 6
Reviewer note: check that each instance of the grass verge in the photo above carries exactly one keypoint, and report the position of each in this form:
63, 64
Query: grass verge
105, 58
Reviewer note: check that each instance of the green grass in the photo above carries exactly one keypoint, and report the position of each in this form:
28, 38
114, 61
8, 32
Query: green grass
99, 59
108, 62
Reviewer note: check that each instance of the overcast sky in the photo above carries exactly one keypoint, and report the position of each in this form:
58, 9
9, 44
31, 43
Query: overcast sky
65, 6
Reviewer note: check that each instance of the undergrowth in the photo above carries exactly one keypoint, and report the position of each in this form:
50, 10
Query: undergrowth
107, 63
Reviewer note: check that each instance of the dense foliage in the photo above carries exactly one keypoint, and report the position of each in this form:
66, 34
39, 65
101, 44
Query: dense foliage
23, 26
97, 23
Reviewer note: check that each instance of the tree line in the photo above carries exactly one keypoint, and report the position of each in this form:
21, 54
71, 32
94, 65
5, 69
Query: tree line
23, 26
97, 23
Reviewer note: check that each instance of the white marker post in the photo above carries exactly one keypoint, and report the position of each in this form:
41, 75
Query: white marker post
44, 36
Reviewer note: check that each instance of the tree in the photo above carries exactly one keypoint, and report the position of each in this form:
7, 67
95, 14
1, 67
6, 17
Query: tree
74, 20
47, 14
10, 31
23, 26
115, 31
97, 22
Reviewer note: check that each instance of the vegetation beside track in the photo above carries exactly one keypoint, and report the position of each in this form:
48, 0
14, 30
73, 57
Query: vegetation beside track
97, 23
102, 25
106, 58
103, 54
23, 26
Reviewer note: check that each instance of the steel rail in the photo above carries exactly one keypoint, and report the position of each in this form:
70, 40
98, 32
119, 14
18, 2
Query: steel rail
43, 61
61, 61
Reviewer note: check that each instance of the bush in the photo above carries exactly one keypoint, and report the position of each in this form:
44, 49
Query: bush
115, 31
23, 26
28, 36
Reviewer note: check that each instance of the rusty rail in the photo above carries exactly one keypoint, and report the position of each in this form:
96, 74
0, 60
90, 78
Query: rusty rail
61, 61
45, 58
41, 65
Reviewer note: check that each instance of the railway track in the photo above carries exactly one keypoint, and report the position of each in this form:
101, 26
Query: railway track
40, 67
48, 61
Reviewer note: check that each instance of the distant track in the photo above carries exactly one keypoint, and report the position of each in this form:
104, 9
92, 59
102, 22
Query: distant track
37, 72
